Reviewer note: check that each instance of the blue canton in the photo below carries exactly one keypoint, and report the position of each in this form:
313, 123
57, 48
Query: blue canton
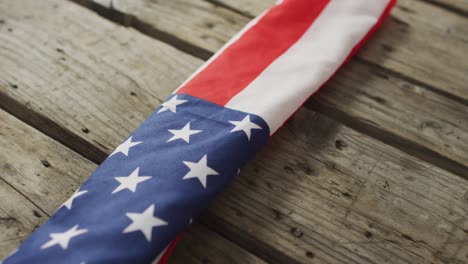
148, 190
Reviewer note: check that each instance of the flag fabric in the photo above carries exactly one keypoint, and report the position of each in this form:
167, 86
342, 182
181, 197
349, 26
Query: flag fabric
132, 208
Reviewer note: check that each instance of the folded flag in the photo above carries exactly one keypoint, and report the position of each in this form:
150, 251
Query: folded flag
164, 174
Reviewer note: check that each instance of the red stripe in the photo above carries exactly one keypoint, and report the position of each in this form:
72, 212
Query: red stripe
165, 257
257, 48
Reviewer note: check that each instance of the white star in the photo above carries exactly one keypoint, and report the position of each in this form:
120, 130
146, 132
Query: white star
183, 133
69, 202
125, 147
244, 125
62, 239
199, 170
144, 222
171, 105
131, 181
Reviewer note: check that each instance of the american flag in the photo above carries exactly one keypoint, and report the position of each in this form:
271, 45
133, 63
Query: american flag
151, 186
164, 174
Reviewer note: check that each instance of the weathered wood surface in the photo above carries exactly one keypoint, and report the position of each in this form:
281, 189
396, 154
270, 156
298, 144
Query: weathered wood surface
202, 246
319, 191
63, 52
401, 46
346, 198
249, 8
318, 212
199, 23
432, 138
37, 174
399, 112
459, 6
255, 7
18, 217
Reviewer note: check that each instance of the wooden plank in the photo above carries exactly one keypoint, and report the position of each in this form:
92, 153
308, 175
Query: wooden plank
404, 114
201, 246
248, 7
255, 7
459, 6
319, 191
142, 72
41, 169
200, 23
424, 49
47, 173
401, 45
24, 153
272, 213
84, 58
428, 145
310, 205
18, 217
335, 195
37, 175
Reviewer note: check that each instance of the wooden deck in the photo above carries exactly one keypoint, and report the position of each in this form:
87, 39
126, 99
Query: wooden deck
373, 169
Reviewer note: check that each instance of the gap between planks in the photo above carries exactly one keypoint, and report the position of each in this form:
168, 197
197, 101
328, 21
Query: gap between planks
146, 29
146, 25
409, 146
455, 6
297, 135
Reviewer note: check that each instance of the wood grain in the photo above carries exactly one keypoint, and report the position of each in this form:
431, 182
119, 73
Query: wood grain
249, 8
458, 6
411, 43
18, 217
201, 246
318, 192
306, 204
423, 49
37, 174
88, 59
255, 7
335, 195
398, 112
434, 138
90, 65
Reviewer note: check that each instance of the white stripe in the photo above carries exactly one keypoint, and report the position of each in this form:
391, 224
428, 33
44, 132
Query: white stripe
287, 82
